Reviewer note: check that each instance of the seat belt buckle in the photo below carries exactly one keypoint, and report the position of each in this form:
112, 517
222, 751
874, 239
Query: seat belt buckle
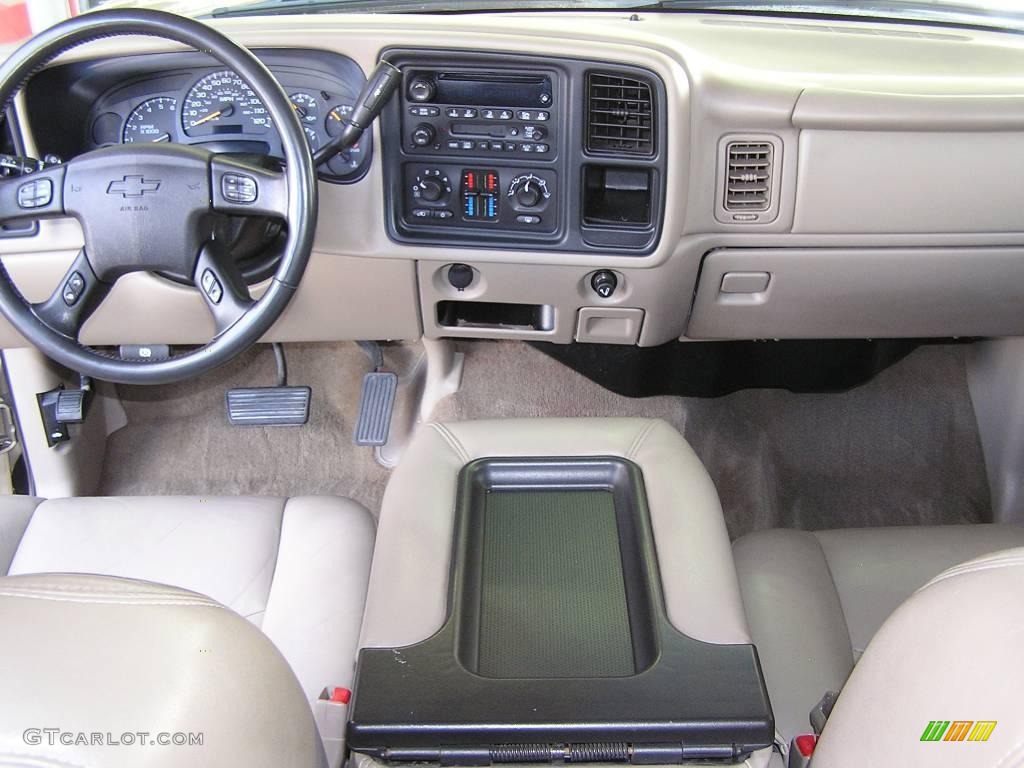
801, 750
330, 711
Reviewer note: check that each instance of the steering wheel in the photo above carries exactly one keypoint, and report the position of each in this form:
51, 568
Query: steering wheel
157, 207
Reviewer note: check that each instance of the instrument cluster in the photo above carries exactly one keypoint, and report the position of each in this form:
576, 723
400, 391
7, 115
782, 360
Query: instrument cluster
214, 107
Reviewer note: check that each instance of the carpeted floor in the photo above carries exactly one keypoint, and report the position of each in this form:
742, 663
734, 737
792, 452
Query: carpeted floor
902, 449
178, 439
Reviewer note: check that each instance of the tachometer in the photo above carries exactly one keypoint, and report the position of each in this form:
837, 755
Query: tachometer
153, 120
222, 103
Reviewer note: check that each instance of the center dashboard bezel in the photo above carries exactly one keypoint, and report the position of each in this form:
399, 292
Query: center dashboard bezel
566, 162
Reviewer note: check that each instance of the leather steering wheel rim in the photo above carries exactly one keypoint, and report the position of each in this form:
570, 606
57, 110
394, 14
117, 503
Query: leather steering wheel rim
296, 197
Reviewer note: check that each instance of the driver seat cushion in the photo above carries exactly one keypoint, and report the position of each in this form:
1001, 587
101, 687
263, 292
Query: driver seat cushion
297, 567
814, 600
94, 662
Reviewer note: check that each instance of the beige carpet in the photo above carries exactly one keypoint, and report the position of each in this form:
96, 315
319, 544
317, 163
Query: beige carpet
178, 439
902, 449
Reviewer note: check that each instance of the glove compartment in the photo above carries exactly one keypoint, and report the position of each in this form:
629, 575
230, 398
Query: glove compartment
813, 293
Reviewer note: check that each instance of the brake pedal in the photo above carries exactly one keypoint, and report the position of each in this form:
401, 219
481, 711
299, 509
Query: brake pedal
280, 406
376, 403
269, 406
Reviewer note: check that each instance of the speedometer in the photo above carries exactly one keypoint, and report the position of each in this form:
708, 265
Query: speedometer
222, 103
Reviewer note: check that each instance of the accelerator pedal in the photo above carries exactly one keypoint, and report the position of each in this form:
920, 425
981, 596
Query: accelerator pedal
280, 406
377, 400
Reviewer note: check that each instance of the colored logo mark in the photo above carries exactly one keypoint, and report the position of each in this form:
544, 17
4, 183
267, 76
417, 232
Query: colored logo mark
958, 730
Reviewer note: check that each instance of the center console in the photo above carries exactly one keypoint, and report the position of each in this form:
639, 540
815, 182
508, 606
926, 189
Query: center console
523, 152
574, 601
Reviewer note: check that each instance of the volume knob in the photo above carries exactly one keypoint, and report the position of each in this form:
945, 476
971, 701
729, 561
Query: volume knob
421, 89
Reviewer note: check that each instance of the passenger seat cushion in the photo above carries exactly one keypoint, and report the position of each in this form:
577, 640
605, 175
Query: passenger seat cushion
796, 621
815, 600
951, 652
876, 569
15, 513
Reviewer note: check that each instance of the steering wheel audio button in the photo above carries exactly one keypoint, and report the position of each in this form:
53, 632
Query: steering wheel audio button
37, 193
211, 286
238, 188
73, 288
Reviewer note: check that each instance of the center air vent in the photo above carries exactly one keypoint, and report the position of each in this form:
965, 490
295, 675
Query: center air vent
748, 178
620, 115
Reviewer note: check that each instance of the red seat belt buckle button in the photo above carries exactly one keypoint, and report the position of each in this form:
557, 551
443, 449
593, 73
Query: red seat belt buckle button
341, 695
806, 744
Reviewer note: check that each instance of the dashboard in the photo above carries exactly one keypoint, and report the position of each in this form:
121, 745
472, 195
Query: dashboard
592, 177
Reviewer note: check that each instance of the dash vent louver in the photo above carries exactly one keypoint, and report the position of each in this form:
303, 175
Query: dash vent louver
620, 115
748, 179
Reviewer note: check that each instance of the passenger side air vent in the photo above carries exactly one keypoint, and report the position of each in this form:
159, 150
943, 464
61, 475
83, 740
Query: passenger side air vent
620, 115
748, 177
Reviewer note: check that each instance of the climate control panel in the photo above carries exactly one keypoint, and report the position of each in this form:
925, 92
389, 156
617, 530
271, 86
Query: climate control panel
481, 196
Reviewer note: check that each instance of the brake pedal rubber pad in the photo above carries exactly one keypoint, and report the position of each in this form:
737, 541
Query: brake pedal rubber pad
268, 406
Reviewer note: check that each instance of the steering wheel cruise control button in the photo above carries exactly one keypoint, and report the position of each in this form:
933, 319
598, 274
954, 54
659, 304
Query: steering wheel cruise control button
35, 194
211, 286
73, 288
238, 188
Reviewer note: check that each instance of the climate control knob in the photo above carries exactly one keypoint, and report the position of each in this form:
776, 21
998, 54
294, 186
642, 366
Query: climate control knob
431, 190
528, 190
423, 135
431, 186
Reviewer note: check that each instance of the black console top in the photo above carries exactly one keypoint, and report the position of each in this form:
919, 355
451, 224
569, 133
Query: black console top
557, 647
524, 152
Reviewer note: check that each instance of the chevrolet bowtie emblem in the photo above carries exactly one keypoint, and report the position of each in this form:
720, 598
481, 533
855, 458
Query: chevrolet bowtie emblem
132, 186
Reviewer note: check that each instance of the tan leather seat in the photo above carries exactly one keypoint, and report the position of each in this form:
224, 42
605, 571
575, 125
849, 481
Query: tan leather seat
815, 601
948, 663
295, 568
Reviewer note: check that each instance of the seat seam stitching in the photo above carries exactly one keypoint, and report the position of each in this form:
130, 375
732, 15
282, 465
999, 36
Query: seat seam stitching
453, 442
638, 441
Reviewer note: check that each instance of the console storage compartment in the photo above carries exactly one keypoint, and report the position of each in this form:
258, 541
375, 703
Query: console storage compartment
557, 646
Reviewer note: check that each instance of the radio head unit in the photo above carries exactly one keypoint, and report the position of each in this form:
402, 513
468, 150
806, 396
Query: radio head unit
495, 89
485, 113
